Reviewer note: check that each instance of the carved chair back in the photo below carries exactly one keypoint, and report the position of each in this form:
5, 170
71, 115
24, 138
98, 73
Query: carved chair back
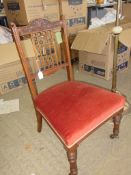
49, 41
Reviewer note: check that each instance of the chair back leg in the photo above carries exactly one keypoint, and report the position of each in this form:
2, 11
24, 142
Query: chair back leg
72, 158
39, 121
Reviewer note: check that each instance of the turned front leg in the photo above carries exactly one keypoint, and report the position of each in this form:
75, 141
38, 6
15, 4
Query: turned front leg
116, 121
72, 158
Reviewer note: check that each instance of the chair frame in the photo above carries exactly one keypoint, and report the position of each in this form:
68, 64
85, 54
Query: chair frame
43, 25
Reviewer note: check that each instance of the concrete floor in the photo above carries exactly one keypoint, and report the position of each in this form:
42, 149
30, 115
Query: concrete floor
23, 151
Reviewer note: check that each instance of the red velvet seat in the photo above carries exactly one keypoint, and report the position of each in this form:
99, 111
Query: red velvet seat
74, 109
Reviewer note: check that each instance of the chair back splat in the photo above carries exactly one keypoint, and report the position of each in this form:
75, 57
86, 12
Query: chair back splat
72, 109
46, 39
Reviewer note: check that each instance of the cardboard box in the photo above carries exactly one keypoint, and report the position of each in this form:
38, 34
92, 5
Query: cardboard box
12, 77
11, 71
125, 37
127, 10
101, 65
23, 11
96, 50
75, 13
9, 54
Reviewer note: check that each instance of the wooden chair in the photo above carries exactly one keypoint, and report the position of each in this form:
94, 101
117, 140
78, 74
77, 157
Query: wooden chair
72, 109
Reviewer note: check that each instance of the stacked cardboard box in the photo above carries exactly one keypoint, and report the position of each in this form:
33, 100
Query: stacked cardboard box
96, 50
12, 77
75, 12
23, 11
11, 72
125, 10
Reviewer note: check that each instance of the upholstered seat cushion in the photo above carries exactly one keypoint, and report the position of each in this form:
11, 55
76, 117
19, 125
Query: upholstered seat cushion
74, 109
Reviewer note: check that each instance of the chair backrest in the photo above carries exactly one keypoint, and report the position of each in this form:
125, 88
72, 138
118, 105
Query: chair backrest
49, 43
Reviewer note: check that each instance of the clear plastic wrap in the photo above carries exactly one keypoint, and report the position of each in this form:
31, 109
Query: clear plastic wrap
5, 35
